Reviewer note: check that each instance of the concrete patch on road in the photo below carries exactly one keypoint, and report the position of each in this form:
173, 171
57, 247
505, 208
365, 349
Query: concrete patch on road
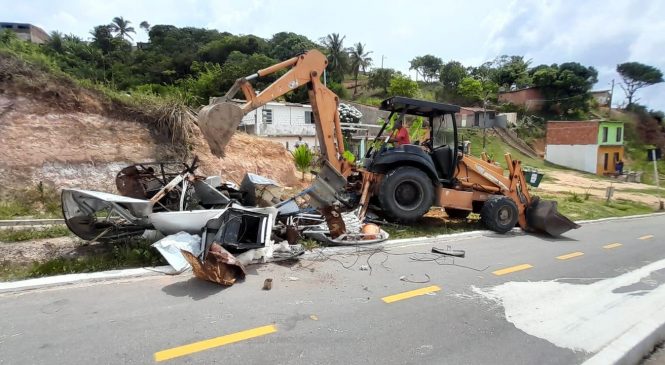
578, 316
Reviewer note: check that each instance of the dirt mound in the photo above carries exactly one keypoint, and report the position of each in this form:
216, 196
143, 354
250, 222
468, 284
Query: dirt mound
247, 153
59, 133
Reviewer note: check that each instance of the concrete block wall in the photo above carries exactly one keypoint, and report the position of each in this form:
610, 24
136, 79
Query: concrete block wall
572, 133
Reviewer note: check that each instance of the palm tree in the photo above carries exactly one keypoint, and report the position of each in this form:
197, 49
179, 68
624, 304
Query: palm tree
145, 26
360, 60
337, 55
122, 28
55, 41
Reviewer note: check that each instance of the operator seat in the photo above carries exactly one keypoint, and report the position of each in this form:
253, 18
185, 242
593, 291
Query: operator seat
443, 159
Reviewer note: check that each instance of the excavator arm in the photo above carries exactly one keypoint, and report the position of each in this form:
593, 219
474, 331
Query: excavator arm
220, 120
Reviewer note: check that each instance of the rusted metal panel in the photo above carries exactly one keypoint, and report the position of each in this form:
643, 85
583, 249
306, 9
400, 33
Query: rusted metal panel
219, 266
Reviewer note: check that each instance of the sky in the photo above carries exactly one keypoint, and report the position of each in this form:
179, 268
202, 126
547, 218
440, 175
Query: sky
595, 33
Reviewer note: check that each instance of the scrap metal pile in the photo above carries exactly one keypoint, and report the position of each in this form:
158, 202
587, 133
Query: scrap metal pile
216, 227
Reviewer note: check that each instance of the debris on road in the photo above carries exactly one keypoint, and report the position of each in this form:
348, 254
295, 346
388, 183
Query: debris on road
172, 246
449, 252
218, 266
216, 228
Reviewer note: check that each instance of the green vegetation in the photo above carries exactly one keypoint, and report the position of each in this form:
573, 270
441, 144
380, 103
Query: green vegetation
427, 67
35, 202
566, 88
303, 157
636, 76
402, 86
581, 207
430, 226
360, 61
19, 234
132, 253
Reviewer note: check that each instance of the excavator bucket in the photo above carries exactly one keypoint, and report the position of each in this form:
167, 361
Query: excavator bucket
218, 122
543, 216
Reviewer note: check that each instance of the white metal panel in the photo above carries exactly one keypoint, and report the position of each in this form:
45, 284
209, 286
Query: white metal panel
578, 157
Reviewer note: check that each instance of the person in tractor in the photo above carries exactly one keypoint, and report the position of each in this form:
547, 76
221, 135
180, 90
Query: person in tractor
400, 135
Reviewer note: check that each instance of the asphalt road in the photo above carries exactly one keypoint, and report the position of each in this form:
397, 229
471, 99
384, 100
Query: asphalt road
570, 299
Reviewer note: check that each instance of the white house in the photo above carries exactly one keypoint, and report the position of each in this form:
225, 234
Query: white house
283, 122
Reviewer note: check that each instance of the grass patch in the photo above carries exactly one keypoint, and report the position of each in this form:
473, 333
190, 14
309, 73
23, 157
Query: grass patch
431, 226
38, 201
18, 235
309, 244
648, 191
128, 254
581, 207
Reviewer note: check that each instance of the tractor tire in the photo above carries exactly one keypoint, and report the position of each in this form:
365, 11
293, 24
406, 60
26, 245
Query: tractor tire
457, 213
406, 194
499, 214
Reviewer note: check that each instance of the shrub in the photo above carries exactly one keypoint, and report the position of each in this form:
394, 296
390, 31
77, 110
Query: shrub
302, 157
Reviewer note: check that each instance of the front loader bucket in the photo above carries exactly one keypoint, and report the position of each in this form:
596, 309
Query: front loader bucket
218, 122
543, 216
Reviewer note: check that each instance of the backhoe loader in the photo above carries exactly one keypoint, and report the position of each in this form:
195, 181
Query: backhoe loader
405, 181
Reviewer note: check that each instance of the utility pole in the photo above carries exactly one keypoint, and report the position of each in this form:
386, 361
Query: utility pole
611, 95
655, 176
382, 57
484, 121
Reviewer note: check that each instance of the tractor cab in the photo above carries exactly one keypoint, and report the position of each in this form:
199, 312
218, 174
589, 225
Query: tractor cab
435, 154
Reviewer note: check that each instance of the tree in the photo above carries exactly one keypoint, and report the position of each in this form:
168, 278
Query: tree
337, 56
121, 27
284, 45
145, 26
380, 78
512, 70
401, 85
477, 89
102, 38
451, 74
360, 60
55, 42
427, 66
566, 87
635, 76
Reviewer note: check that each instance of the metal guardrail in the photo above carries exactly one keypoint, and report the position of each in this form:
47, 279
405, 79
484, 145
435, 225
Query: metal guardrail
30, 222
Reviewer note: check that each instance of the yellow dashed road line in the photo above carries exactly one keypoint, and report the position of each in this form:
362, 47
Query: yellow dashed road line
570, 255
511, 269
410, 294
612, 245
647, 237
213, 342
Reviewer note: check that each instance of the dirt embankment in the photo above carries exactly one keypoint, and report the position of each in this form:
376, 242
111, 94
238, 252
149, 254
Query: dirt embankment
66, 137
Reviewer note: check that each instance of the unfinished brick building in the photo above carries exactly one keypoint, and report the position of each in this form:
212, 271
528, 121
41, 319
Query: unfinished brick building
593, 146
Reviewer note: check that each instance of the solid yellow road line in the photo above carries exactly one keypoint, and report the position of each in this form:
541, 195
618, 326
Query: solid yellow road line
508, 270
410, 294
612, 245
213, 342
570, 255
647, 237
